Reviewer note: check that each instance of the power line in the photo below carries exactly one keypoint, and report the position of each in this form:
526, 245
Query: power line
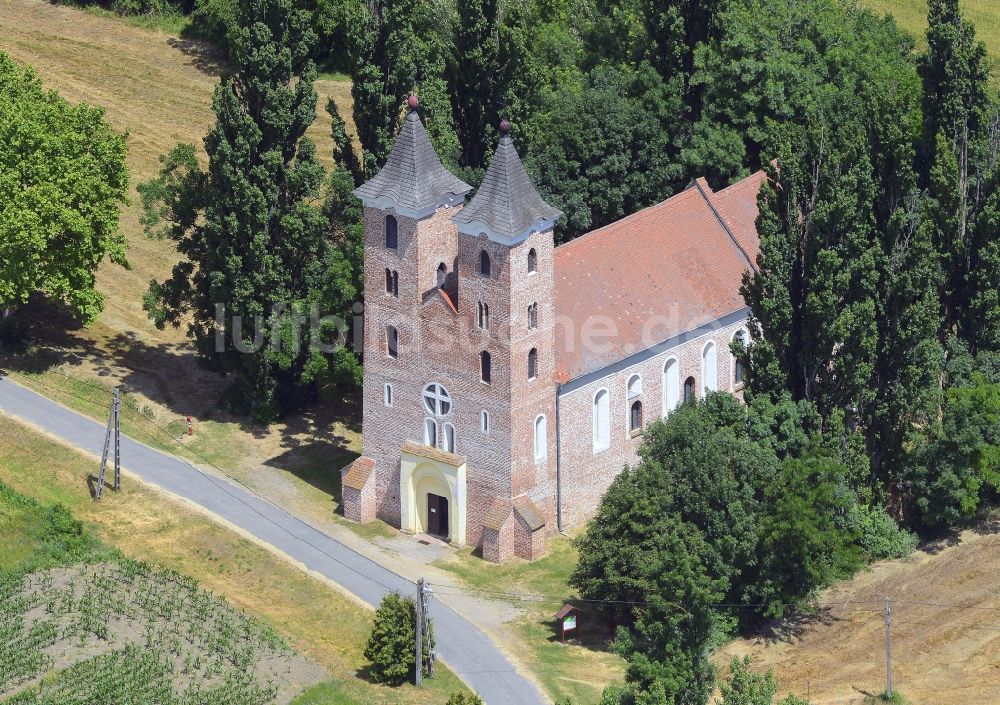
256, 511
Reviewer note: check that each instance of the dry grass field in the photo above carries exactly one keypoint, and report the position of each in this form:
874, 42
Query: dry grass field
945, 630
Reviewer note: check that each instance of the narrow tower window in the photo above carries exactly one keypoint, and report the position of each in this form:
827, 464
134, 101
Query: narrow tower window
392, 341
485, 373
484, 421
689, 390
391, 232
532, 260
532, 363
392, 282
442, 274
387, 395
484, 316
484, 263
533, 316
430, 433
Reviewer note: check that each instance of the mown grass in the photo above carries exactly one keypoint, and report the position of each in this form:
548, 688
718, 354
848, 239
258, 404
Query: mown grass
579, 669
911, 15
145, 524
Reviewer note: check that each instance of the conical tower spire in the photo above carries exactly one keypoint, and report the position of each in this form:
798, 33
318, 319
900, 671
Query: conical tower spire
413, 181
506, 207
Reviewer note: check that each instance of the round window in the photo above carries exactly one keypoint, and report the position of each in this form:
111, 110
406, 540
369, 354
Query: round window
437, 401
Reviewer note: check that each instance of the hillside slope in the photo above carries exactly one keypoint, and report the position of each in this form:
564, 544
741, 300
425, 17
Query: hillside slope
945, 631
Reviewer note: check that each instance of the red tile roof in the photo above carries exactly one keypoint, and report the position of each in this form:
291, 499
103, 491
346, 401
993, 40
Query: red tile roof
665, 270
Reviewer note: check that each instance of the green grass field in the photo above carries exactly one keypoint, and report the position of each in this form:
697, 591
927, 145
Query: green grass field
911, 15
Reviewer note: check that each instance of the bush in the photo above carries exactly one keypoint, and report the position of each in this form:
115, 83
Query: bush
879, 536
391, 644
464, 699
211, 20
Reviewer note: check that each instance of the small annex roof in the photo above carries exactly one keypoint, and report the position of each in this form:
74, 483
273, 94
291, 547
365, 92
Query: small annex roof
497, 514
664, 271
506, 207
413, 180
443, 456
530, 512
359, 472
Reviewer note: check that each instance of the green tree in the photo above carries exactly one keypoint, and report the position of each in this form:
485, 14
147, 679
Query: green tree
773, 62
805, 539
745, 687
397, 48
476, 79
257, 262
814, 297
390, 647
63, 180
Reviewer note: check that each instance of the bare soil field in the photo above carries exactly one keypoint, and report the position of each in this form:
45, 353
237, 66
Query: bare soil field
945, 630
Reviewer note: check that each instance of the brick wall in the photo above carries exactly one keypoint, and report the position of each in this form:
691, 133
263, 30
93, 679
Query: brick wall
586, 474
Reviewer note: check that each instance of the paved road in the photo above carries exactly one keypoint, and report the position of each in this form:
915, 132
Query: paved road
466, 649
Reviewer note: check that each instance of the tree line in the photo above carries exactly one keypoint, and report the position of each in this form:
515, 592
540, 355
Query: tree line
872, 378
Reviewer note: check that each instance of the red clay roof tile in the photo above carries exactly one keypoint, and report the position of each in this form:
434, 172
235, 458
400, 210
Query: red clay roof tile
665, 270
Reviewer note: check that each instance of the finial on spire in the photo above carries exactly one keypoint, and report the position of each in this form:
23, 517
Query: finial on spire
413, 102
504, 128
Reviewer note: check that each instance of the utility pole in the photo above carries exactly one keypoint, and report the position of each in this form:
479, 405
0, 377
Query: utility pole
114, 426
888, 648
430, 641
418, 623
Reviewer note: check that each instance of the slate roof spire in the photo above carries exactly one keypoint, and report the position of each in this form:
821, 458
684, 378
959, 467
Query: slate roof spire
506, 207
413, 180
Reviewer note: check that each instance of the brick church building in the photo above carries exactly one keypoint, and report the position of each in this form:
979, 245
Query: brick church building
506, 380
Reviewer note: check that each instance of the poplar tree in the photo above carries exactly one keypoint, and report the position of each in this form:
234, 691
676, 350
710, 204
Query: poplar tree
961, 138
398, 48
251, 236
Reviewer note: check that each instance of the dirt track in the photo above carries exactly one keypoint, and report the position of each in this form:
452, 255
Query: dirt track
946, 651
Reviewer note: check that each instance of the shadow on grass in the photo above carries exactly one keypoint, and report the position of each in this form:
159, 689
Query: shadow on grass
202, 54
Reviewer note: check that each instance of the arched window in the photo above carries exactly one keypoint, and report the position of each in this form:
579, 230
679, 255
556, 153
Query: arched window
484, 263
392, 341
430, 433
392, 282
442, 274
634, 386
635, 417
484, 316
391, 232
532, 260
437, 401
485, 373
387, 395
671, 386
484, 421
533, 315
689, 394
449, 438
532, 363
740, 342
709, 372
541, 439
602, 420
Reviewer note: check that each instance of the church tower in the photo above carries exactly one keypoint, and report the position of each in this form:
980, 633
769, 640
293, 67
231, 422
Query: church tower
459, 428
